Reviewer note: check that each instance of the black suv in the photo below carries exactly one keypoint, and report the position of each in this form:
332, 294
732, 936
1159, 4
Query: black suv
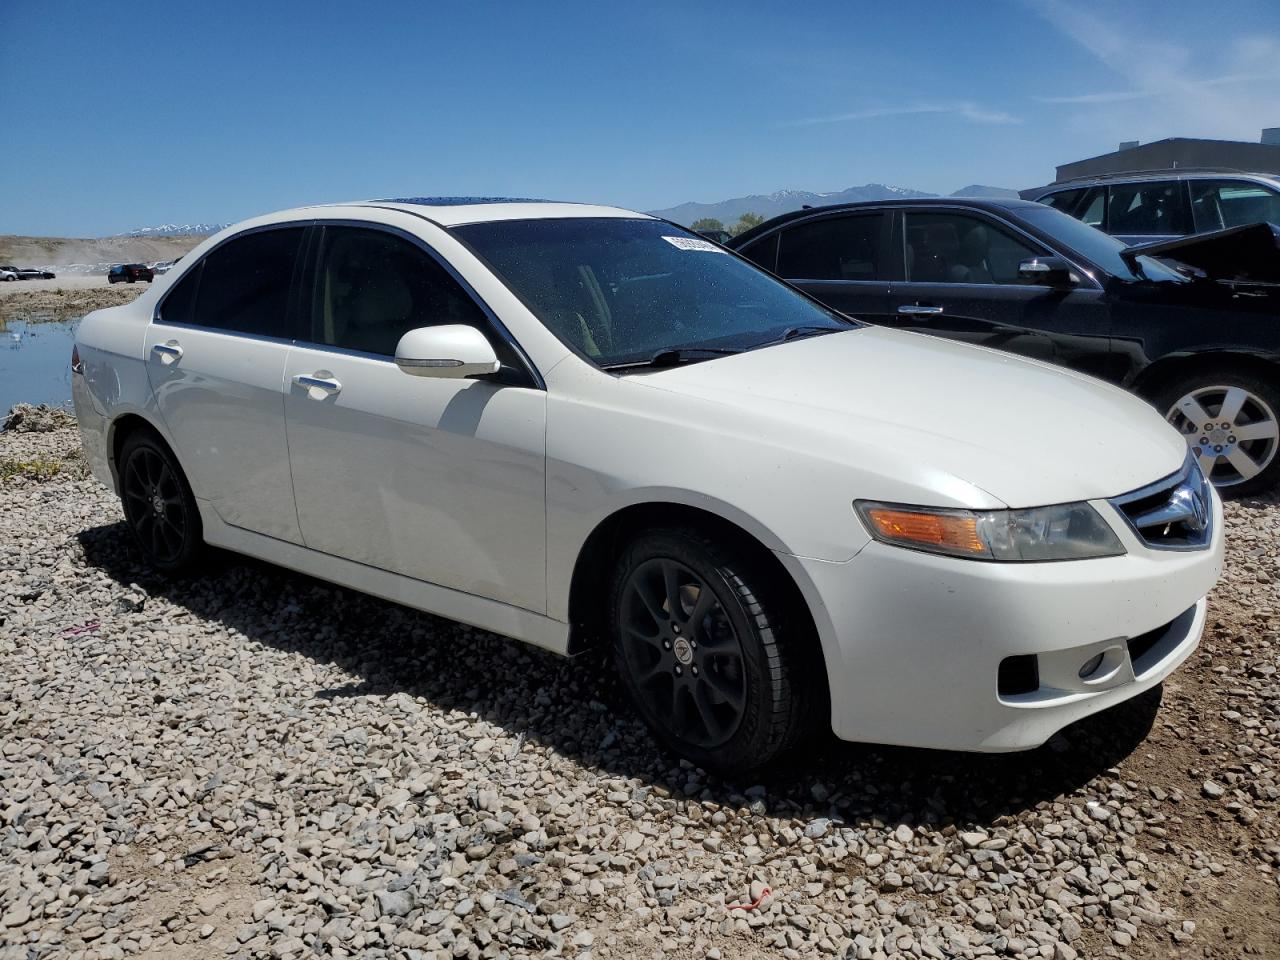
1158, 204
130, 273
1024, 277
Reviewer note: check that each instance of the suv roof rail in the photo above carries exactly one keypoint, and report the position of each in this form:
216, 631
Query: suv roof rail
1158, 172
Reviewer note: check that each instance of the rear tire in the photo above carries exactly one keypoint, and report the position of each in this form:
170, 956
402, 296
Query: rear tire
1231, 421
717, 663
158, 504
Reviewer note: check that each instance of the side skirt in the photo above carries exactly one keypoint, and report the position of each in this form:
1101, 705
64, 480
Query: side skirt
466, 608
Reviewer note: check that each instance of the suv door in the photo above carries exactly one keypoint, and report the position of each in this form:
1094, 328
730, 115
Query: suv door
436, 479
1148, 210
837, 258
961, 281
215, 354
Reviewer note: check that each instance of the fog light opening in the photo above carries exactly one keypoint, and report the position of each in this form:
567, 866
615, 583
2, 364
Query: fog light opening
1090, 666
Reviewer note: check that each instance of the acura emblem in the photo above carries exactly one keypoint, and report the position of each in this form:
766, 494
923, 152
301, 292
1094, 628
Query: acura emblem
1192, 502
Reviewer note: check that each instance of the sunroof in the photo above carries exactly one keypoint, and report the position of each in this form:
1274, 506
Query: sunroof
456, 201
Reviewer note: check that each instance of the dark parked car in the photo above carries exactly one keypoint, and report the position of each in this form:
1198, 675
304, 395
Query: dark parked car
130, 273
1158, 204
31, 273
1024, 277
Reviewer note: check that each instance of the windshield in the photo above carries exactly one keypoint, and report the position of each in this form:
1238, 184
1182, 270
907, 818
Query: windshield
621, 291
1096, 246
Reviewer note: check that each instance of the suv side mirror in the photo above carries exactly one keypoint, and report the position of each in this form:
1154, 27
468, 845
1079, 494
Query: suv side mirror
1048, 271
452, 351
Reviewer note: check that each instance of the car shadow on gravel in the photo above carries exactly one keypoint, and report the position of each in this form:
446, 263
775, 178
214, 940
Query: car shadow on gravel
576, 707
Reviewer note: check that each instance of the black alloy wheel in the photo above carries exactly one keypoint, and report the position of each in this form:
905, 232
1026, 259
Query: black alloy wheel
158, 504
683, 651
721, 664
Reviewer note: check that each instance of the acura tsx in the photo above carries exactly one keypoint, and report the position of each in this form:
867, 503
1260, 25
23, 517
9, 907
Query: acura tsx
573, 424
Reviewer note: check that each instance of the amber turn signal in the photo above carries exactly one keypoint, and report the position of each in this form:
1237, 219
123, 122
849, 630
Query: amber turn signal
951, 532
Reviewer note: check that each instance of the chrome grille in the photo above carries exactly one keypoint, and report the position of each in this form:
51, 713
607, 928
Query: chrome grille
1175, 513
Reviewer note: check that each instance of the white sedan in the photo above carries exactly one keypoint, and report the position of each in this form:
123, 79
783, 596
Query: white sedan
574, 424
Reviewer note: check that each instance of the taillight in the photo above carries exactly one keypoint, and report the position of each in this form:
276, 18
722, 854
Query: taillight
76, 365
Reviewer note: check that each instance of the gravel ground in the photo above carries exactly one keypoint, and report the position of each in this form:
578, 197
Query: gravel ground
256, 763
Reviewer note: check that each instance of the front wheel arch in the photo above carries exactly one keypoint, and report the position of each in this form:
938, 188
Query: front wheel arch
600, 551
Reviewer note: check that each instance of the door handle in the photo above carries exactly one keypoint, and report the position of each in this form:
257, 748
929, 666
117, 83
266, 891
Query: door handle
167, 352
919, 310
316, 382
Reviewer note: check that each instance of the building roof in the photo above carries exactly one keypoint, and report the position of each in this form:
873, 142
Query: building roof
1175, 152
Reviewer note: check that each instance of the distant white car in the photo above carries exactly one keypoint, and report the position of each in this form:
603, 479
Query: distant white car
8, 273
571, 424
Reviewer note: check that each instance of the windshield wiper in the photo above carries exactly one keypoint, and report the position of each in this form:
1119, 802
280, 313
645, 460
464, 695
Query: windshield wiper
674, 356
796, 333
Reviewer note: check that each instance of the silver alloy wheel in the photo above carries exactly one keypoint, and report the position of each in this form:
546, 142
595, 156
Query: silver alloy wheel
1234, 433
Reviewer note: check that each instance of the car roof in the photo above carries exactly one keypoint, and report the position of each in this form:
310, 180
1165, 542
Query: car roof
457, 211
1144, 176
989, 204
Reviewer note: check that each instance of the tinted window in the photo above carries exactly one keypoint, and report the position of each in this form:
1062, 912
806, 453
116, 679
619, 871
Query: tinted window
372, 287
243, 285
833, 248
1154, 208
1093, 209
1065, 200
180, 302
954, 248
764, 253
1094, 245
1218, 204
619, 290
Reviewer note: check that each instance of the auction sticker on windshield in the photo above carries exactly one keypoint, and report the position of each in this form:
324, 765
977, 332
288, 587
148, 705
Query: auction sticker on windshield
693, 243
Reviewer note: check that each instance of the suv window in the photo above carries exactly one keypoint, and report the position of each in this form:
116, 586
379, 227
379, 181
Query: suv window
955, 248
833, 248
241, 287
1154, 208
1218, 204
373, 287
1065, 200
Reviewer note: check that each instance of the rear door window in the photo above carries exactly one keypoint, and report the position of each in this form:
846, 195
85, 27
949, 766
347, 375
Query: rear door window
763, 253
833, 248
1147, 208
957, 248
1218, 204
241, 287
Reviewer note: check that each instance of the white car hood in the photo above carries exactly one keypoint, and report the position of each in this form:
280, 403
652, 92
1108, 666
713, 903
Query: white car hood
1026, 433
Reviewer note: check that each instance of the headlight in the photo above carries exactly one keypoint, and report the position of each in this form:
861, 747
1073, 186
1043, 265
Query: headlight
1068, 531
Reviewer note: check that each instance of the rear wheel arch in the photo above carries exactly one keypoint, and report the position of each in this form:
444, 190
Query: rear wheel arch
121, 428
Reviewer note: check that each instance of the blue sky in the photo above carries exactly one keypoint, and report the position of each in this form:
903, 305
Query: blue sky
171, 112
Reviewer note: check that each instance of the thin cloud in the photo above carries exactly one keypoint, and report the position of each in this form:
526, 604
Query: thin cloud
964, 109
1159, 93
1122, 96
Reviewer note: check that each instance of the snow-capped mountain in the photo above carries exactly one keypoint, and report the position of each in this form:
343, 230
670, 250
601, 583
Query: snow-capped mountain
784, 201
177, 230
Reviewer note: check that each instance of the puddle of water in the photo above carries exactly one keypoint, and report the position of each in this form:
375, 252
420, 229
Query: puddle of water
35, 362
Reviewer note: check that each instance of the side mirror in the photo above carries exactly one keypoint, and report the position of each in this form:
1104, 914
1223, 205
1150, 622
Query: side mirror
1047, 271
452, 351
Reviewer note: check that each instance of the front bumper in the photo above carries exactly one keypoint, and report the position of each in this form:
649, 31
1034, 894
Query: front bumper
914, 642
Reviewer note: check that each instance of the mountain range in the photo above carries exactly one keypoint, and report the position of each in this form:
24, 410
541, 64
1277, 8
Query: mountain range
729, 212
178, 230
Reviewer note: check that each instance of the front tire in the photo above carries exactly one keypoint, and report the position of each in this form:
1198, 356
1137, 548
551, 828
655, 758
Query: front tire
1231, 421
159, 505
711, 653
